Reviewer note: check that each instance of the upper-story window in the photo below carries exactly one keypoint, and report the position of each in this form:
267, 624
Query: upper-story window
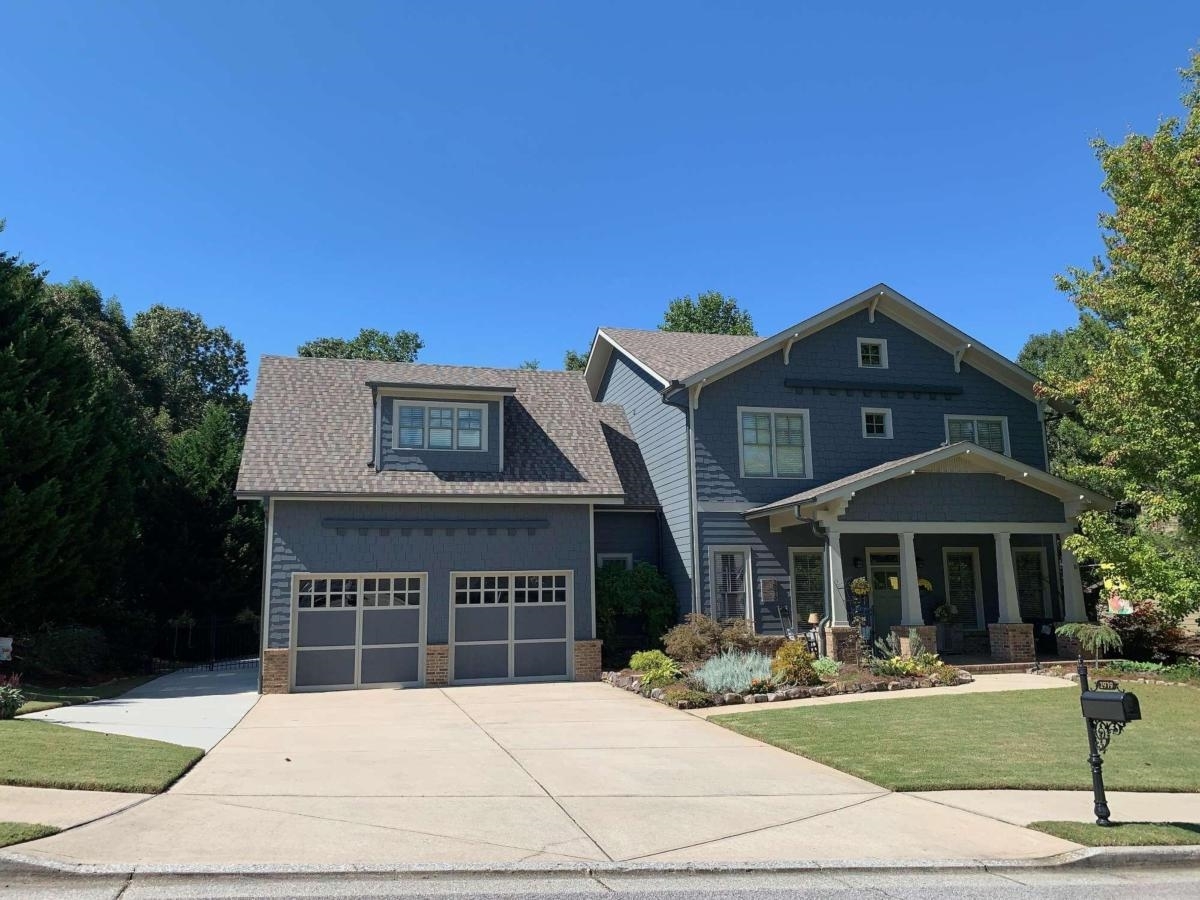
420, 425
986, 431
774, 443
876, 423
872, 353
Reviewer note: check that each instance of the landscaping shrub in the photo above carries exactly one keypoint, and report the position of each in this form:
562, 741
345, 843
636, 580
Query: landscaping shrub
641, 594
685, 697
645, 660
1147, 633
1095, 638
761, 686
72, 651
826, 667
793, 664
738, 636
11, 696
696, 639
733, 671
660, 673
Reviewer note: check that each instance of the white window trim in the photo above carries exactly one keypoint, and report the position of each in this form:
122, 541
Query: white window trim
792, 554
456, 405
883, 352
294, 628
712, 577
974, 551
808, 469
887, 422
1041, 554
1003, 420
568, 635
626, 558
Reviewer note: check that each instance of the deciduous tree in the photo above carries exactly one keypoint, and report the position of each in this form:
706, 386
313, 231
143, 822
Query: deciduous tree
710, 313
370, 343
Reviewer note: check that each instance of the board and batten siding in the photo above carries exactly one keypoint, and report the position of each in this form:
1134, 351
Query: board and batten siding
661, 432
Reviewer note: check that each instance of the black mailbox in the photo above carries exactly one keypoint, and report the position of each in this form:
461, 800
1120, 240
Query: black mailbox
1110, 706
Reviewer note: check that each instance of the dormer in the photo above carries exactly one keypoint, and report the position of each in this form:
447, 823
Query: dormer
422, 427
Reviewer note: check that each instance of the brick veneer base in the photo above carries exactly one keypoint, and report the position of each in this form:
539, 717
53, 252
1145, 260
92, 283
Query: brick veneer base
841, 643
1068, 647
437, 665
275, 672
587, 660
927, 634
1011, 642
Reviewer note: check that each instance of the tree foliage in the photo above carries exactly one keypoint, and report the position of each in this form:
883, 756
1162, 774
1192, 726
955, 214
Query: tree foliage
710, 313
370, 343
574, 361
1137, 390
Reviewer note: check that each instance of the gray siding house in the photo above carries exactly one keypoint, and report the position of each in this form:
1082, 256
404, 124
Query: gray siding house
442, 524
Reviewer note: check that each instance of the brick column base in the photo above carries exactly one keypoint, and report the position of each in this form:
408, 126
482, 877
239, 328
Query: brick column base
1068, 647
275, 671
841, 643
927, 634
437, 665
587, 660
1011, 642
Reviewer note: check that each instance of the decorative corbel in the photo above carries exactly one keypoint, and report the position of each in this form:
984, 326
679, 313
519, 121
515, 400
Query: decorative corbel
787, 350
871, 308
958, 356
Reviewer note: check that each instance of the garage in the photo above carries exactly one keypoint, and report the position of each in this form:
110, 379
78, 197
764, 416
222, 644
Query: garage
358, 630
510, 626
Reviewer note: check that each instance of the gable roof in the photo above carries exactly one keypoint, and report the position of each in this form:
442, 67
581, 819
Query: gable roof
668, 355
312, 424
710, 365
971, 456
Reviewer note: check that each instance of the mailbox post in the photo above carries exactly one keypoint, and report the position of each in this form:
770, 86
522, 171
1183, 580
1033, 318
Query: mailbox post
1106, 711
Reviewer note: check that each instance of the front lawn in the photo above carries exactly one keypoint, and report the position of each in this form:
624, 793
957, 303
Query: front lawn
39, 754
17, 832
1014, 739
41, 697
1123, 834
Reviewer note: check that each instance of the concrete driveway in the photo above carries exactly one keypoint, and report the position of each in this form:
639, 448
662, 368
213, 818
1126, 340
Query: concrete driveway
195, 708
549, 773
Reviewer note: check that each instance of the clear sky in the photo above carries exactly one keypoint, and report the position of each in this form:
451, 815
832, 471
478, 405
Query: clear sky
504, 176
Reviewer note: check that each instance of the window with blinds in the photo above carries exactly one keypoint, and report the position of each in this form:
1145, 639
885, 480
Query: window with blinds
962, 586
729, 583
774, 443
808, 584
986, 431
1033, 587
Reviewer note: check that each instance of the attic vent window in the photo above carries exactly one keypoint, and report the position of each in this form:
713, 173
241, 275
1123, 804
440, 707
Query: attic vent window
872, 354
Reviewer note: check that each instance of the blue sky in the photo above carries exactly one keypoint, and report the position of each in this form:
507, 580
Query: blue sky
503, 177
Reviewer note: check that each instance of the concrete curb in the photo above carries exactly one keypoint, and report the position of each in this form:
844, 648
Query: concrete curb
1084, 858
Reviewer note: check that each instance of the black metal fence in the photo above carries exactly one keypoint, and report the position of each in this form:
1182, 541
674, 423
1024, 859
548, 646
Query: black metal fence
211, 642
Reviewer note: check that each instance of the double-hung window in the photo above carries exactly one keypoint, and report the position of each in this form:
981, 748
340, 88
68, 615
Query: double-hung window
775, 443
419, 425
872, 354
990, 432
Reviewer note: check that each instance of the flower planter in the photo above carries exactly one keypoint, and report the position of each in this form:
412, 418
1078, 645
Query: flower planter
949, 638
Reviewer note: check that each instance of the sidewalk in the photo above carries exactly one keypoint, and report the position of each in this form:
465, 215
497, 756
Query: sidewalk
1023, 807
61, 809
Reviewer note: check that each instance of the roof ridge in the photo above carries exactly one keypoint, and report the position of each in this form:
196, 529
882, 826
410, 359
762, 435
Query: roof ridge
427, 365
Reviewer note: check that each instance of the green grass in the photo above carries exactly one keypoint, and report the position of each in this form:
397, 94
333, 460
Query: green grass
16, 832
1015, 739
40, 697
1123, 834
39, 754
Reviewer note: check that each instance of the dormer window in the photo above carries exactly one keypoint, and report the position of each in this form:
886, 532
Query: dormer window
872, 353
430, 425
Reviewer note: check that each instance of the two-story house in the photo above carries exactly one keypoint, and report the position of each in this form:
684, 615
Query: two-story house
442, 524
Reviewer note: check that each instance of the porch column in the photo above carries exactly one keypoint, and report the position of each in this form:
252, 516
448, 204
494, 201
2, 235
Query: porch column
1006, 580
910, 593
834, 587
1073, 608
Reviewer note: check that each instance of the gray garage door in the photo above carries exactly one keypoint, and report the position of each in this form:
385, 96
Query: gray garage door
363, 629
510, 626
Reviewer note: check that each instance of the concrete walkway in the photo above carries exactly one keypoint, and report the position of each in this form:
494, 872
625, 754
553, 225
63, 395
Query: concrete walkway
535, 774
195, 708
62, 809
1023, 807
983, 684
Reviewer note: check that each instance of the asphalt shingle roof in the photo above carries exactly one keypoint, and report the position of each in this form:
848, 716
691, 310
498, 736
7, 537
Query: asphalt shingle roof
312, 421
677, 354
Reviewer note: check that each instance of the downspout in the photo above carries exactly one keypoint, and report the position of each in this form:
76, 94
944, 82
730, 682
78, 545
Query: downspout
693, 404
828, 617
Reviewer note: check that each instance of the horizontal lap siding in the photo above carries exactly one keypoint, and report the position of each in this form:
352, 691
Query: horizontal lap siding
838, 447
661, 433
953, 497
300, 543
628, 532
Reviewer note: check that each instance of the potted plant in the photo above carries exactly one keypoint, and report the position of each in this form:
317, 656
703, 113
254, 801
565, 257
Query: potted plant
949, 632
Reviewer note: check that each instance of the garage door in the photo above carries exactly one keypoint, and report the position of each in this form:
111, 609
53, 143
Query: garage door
355, 630
510, 626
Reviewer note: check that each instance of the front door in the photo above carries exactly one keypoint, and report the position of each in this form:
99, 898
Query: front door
883, 572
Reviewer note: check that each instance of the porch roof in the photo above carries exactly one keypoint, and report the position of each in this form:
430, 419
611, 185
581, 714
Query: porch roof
968, 457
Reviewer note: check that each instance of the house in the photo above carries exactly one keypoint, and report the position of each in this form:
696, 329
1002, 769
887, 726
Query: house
441, 524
